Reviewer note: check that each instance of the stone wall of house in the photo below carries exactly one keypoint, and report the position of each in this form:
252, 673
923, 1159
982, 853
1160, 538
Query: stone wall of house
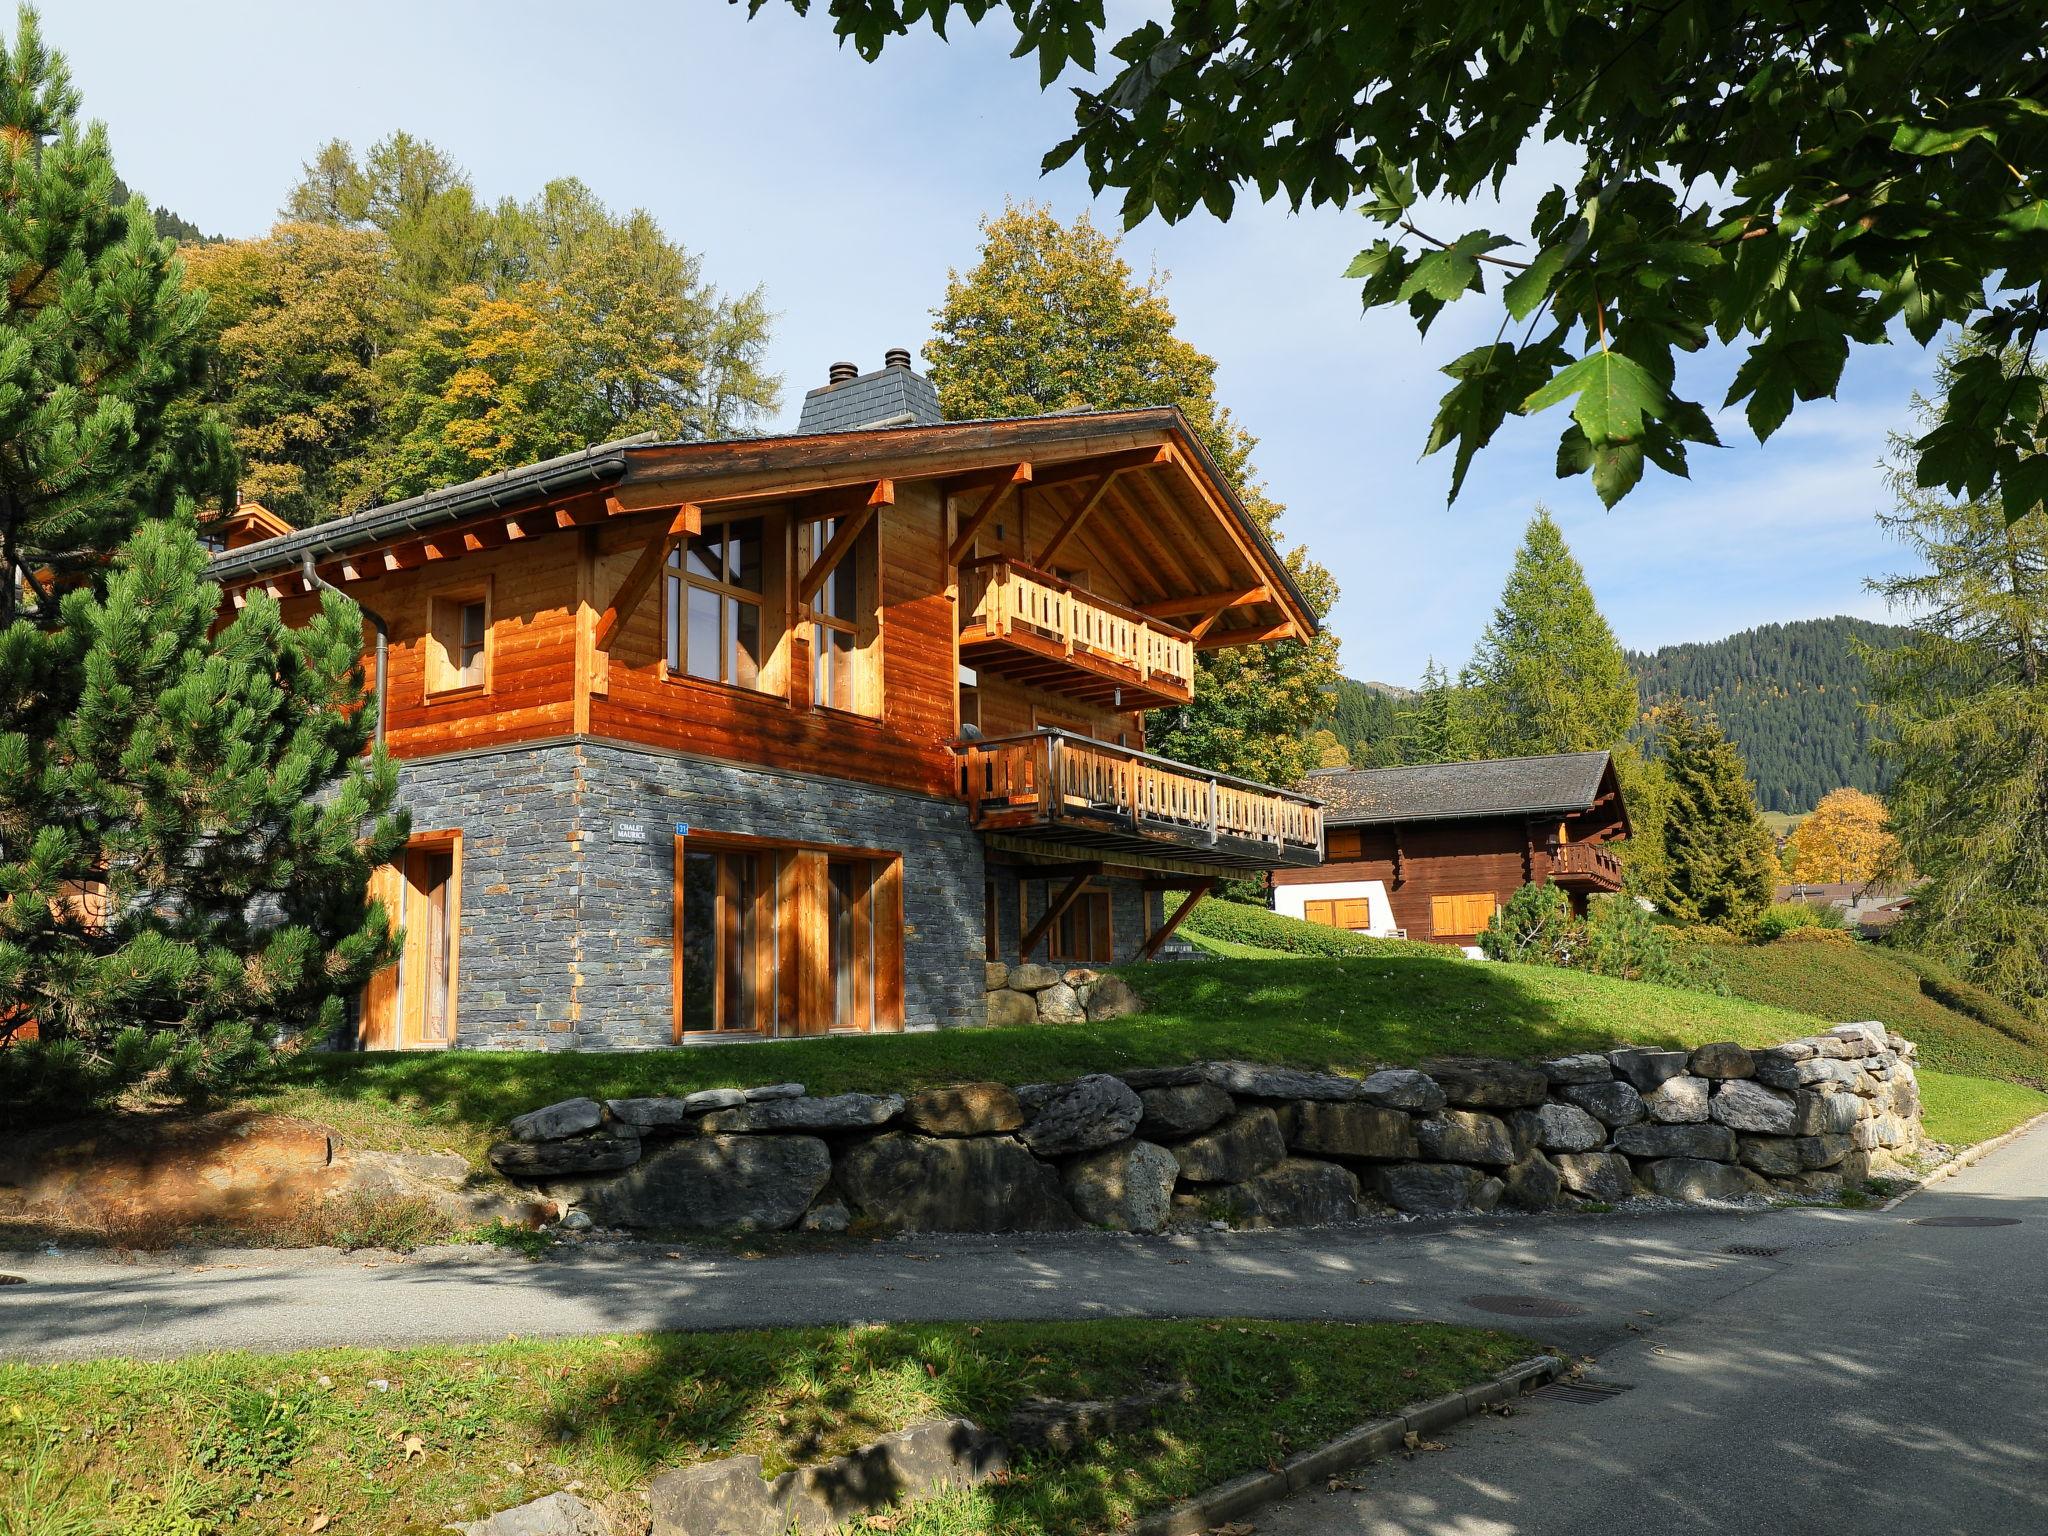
1237, 1142
567, 882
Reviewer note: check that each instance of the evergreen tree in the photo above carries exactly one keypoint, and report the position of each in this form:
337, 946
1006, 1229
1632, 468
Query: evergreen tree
177, 898
1646, 791
1433, 726
1962, 716
1719, 859
1052, 318
96, 345
1548, 675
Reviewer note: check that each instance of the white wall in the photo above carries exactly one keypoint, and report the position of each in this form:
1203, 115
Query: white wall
1291, 900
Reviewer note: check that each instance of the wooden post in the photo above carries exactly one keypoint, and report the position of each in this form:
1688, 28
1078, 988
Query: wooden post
1054, 910
1196, 892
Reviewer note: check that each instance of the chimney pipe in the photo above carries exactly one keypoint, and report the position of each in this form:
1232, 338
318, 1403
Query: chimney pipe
896, 357
840, 373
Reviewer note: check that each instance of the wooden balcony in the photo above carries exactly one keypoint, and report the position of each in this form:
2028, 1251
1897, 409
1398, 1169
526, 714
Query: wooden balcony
1057, 787
1584, 867
1035, 627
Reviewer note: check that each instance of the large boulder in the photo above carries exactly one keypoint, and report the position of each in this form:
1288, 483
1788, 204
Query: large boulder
903, 1466
1646, 1067
1430, 1189
1587, 1067
715, 1498
1090, 1112
1777, 1156
953, 1184
1465, 1136
995, 974
1033, 977
1680, 1100
1141, 1078
1298, 1192
1533, 1184
1471, 1082
1747, 1105
1350, 1130
1691, 1178
841, 1112
717, 1184
1061, 1004
767, 1091
1567, 1128
571, 1117
1839, 1112
1715, 1143
1404, 1088
1127, 1187
557, 1514
1249, 1080
1245, 1145
1182, 1110
964, 1109
1721, 1061
606, 1152
1111, 997
1779, 1066
1006, 1008
1612, 1103
1604, 1176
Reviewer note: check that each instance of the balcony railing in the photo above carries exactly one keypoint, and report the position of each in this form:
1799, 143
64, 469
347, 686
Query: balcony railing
1056, 786
1586, 864
1042, 629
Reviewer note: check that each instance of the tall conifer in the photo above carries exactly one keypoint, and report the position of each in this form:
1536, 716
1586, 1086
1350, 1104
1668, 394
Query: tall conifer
1719, 864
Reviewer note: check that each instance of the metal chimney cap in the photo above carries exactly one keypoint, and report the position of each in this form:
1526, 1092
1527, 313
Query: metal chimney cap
896, 357
840, 373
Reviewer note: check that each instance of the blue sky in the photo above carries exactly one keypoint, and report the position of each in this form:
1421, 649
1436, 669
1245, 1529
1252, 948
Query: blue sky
848, 190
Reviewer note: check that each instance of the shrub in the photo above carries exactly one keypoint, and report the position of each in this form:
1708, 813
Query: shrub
1535, 927
1621, 939
1943, 986
1240, 923
1818, 936
1783, 917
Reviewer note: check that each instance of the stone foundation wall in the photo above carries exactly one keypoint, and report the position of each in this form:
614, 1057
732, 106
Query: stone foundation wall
1240, 1143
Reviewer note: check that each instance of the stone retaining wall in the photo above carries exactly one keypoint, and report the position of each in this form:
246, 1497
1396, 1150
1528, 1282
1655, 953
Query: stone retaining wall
1031, 993
1240, 1143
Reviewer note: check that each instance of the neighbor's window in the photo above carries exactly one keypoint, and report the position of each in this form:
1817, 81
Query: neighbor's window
713, 597
1455, 916
459, 641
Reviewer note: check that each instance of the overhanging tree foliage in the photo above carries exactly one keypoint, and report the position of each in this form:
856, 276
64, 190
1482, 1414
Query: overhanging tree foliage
1791, 176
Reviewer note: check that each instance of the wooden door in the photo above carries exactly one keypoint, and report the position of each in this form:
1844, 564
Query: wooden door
410, 1005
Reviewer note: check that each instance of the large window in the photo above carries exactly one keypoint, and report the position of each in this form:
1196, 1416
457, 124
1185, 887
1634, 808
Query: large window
785, 940
713, 604
842, 627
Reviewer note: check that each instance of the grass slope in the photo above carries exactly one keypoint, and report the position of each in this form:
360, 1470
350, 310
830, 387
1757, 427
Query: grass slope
1346, 1015
376, 1442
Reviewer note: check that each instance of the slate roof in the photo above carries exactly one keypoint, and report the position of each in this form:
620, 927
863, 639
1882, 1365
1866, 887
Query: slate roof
1510, 786
890, 396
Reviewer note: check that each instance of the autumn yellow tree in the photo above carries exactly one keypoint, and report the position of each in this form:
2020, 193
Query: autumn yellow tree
1844, 842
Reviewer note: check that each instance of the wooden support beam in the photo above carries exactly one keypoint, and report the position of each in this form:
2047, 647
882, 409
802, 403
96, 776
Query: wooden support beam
1056, 909
578, 513
1206, 640
851, 527
1075, 518
488, 536
641, 577
963, 541
1205, 602
405, 557
1166, 931
1103, 464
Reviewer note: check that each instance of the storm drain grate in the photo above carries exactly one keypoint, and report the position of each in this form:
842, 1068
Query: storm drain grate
1524, 1306
13, 1279
1752, 1251
1589, 1392
1967, 1221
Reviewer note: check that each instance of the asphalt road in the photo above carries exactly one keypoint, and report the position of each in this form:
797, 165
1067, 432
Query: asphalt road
1895, 1380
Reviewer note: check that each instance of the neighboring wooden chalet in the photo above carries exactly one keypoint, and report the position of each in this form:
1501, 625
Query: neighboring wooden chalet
1430, 852
787, 735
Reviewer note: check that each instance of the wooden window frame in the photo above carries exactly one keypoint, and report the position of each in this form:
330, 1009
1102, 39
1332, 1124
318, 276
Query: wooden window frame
439, 665
799, 988
677, 582
812, 534
382, 994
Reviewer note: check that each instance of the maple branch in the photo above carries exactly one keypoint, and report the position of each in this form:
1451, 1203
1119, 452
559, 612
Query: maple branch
1445, 245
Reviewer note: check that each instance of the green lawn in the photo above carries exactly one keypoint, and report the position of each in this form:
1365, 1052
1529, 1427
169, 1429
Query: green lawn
370, 1442
1965, 1110
1348, 1015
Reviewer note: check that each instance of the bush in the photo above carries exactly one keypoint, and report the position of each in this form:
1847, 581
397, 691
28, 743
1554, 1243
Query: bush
1623, 940
1943, 986
1783, 917
1704, 934
56, 1079
1818, 936
1239, 923
1536, 927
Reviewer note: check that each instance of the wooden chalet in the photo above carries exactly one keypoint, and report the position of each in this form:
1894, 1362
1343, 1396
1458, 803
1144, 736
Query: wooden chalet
787, 735
1429, 852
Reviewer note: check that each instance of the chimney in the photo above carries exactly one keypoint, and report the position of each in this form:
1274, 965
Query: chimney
894, 395
896, 357
841, 373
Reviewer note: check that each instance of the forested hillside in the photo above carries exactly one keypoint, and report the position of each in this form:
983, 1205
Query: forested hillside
1790, 696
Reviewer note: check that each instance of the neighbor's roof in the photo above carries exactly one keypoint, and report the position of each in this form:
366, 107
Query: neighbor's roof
1506, 786
605, 466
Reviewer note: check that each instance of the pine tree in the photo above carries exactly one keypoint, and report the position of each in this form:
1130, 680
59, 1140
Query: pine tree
96, 345
1719, 859
1052, 318
182, 816
1548, 675
1433, 726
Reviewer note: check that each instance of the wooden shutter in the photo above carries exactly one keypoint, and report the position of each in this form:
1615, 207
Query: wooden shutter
1460, 915
1324, 912
1355, 913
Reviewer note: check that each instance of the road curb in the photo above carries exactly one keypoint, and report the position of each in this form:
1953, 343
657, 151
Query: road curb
1241, 1495
1966, 1158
